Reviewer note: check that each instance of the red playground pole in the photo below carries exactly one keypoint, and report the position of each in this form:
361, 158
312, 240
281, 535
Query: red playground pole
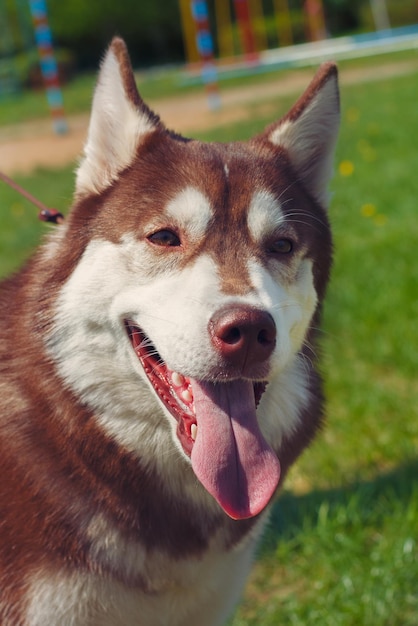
243, 15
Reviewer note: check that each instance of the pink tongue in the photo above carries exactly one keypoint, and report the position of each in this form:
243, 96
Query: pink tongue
230, 456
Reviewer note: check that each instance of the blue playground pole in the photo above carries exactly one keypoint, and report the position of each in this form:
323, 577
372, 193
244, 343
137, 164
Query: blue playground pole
49, 69
205, 47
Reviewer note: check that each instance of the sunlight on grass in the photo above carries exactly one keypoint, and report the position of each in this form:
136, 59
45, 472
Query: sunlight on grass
343, 557
355, 568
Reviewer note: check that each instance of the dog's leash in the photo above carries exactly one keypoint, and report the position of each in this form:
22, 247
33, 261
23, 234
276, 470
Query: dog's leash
45, 214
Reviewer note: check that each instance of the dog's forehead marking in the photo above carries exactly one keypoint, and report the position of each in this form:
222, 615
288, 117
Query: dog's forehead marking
264, 215
191, 210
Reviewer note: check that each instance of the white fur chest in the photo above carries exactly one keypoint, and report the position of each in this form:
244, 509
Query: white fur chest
179, 592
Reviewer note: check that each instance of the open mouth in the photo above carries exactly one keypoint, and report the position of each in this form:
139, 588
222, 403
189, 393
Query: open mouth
218, 429
173, 389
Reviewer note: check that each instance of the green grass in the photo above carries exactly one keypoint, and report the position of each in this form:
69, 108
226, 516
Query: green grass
20, 230
342, 546
31, 105
346, 552
340, 557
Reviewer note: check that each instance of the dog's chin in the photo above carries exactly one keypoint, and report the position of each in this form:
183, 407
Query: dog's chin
173, 388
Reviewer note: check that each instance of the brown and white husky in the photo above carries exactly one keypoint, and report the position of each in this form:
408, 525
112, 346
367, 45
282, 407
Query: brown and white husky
157, 376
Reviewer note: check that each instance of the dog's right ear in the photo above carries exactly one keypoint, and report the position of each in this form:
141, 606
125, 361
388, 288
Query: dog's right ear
119, 122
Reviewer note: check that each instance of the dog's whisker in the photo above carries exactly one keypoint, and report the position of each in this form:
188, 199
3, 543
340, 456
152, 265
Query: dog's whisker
310, 216
306, 363
308, 346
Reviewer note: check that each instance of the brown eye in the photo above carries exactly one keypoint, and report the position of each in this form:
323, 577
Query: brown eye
281, 246
166, 238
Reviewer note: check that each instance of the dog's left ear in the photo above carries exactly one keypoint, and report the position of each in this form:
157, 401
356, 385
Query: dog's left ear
308, 133
119, 122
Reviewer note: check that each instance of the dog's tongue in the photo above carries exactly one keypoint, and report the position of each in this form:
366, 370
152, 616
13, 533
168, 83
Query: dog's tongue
230, 456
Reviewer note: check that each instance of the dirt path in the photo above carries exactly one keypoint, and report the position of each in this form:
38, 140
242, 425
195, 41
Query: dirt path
31, 145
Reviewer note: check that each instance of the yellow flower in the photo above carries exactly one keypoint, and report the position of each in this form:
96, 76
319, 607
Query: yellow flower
346, 168
368, 210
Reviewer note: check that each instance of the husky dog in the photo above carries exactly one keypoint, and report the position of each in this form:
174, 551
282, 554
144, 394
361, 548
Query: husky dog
157, 375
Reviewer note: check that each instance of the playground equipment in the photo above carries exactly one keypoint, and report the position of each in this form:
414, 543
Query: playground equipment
240, 26
249, 29
283, 22
238, 54
21, 38
205, 48
315, 21
48, 63
246, 29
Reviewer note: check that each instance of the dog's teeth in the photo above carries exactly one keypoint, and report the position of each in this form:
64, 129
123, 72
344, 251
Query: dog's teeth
186, 395
177, 379
193, 431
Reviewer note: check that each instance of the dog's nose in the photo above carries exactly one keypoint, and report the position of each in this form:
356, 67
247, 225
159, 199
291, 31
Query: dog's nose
243, 335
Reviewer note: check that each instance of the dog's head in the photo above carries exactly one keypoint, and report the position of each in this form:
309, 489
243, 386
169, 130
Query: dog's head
199, 272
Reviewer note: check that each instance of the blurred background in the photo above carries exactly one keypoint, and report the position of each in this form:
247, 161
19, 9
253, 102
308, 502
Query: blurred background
342, 546
154, 34
156, 31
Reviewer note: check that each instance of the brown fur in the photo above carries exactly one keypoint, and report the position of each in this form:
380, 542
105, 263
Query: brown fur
58, 469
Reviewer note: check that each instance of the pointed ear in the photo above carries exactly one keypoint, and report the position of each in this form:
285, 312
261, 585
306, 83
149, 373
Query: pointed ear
309, 131
119, 122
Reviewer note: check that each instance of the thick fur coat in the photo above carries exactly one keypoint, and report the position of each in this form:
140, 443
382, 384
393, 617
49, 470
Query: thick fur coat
158, 364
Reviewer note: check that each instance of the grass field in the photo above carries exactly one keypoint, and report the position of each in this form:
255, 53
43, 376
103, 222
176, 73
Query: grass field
342, 546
